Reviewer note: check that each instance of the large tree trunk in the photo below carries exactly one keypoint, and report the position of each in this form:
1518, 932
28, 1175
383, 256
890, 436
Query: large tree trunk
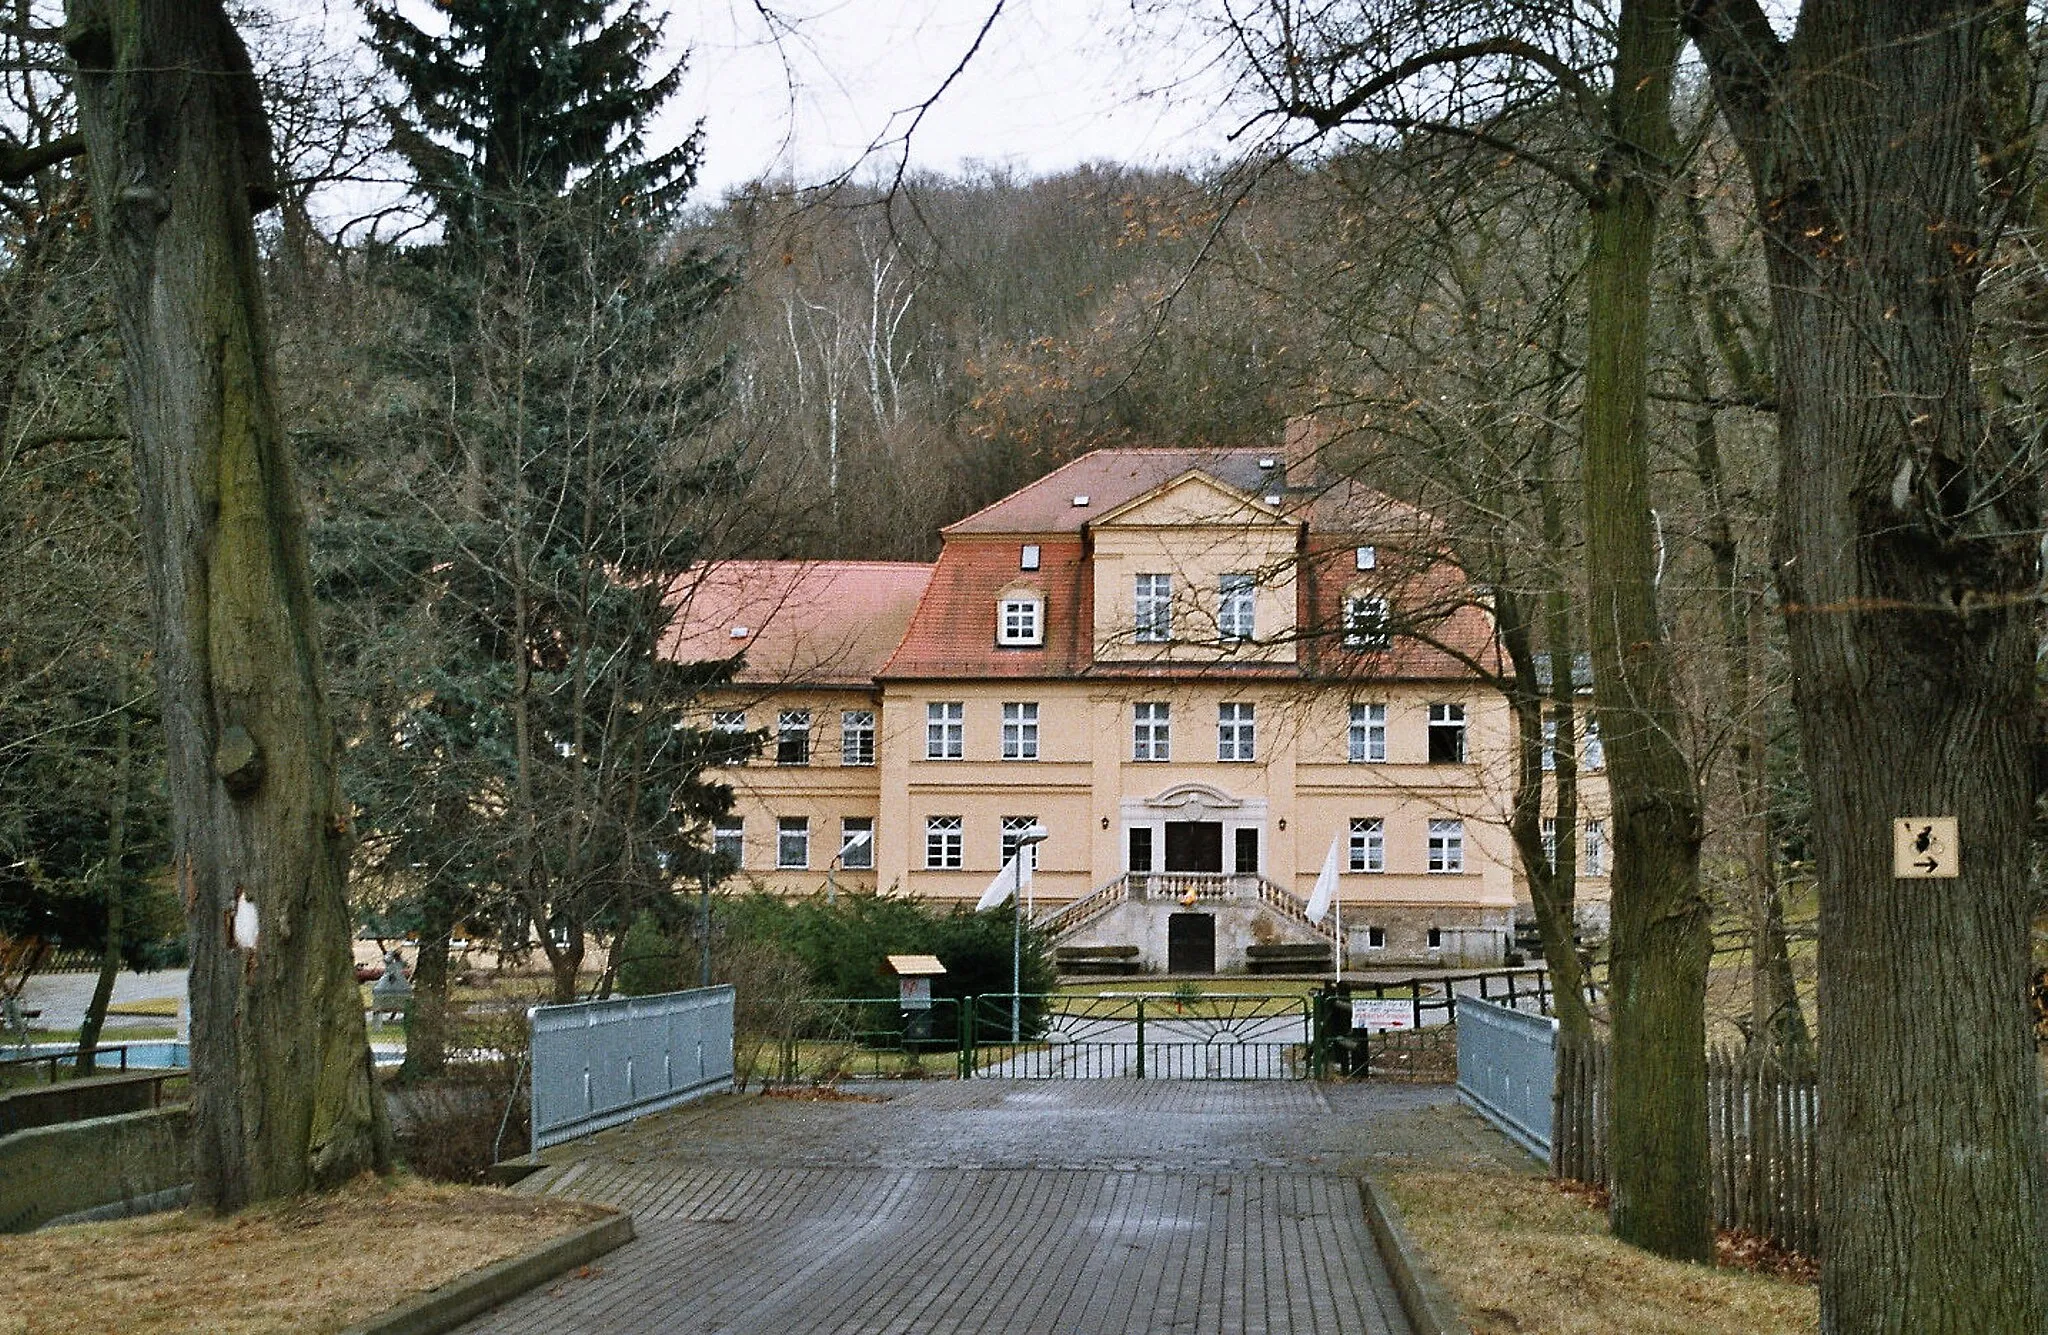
1661, 939
1907, 569
282, 1091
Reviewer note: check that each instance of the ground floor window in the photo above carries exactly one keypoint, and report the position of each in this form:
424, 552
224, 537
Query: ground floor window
1446, 846
728, 840
942, 843
793, 842
857, 843
1368, 843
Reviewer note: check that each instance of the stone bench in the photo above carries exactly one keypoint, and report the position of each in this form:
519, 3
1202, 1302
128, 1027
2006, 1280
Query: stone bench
1097, 960
1288, 958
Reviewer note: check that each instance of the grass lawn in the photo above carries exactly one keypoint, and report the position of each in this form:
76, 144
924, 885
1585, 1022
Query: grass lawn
1521, 1255
313, 1265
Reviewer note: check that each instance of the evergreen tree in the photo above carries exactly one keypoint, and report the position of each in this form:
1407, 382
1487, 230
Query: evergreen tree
518, 101
542, 479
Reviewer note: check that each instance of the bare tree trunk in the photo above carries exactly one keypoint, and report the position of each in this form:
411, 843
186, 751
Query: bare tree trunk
283, 1094
114, 881
1907, 569
1661, 941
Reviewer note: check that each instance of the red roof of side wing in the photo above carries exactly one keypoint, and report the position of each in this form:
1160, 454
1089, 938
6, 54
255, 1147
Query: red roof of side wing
954, 631
804, 622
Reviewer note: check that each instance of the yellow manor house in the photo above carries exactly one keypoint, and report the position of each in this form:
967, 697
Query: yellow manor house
1191, 674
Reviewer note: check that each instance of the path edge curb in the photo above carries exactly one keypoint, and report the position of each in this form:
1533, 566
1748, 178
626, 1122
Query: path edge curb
1430, 1308
470, 1295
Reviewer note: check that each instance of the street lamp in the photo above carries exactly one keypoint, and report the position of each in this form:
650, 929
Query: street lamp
1027, 838
857, 839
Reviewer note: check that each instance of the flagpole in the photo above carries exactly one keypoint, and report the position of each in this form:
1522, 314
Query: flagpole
1337, 951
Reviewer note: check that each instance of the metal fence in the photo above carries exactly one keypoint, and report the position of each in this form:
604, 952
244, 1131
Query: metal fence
1507, 1068
599, 1063
1144, 1036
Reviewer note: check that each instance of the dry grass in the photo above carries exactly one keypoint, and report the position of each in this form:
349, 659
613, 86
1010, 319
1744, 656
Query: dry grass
156, 1007
312, 1265
1522, 1256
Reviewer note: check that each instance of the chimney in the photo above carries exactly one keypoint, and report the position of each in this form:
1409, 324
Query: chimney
1302, 446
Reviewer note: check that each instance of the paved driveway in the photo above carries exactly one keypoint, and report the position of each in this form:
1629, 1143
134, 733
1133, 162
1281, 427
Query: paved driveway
1002, 1208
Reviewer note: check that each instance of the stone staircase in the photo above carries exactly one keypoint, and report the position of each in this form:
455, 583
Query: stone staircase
1180, 887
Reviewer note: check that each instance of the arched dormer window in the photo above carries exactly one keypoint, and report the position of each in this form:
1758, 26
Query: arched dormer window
1020, 618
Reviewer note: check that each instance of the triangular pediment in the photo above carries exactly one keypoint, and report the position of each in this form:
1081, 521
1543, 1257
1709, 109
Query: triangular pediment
1191, 500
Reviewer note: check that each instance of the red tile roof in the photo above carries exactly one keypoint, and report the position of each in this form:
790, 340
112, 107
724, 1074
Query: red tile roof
815, 622
954, 631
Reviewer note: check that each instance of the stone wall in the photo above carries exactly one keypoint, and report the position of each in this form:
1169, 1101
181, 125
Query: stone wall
55, 1171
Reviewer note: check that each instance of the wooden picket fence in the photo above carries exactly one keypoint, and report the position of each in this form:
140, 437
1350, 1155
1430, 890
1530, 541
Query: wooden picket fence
1761, 1131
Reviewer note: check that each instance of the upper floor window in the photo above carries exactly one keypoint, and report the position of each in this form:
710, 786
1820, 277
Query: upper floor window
793, 842
1235, 732
1368, 734
1151, 731
1593, 753
857, 843
1153, 605
729, 747
1550, 842
942, 843
1027, 556
1234, 612
1368, 843
729, 839
1549, 744
1020, 731
1446, 845
857, 737
1368, 622
793, 737
1021, 621
945, 730
1447, 734
1368, 558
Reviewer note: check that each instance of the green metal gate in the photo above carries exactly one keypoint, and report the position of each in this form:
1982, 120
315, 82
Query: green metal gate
1141, 1036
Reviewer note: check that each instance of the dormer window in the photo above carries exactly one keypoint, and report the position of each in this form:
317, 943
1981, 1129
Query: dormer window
1020, 620
1368, 622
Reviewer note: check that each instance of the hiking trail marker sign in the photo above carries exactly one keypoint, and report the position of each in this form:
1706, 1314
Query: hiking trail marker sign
1925, 848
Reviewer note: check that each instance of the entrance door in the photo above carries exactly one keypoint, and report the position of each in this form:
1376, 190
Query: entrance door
1193, 845
1190, 943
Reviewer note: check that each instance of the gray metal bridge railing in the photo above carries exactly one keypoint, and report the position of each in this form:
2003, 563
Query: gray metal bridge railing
1507, 1068
599, 1063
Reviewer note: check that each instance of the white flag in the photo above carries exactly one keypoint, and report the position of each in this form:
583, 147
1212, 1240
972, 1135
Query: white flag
1326, 884
1004, 884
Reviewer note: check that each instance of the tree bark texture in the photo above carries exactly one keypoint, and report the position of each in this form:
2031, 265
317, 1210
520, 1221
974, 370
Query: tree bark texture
283, 1096
1661, 942
1907, 568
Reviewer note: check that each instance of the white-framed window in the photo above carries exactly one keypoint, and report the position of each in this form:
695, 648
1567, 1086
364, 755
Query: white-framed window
730, 745
1550, 842
1236, 732
1151, 731
1368, 843
729, 840
1447, 734
1368, 734
856, 736
945, 730
857, 843
1152, 606
1020, 730
1436, 938
1020, 621
1027, 556
1549, 745
1235, 614
793, 737
793, 841
1368, 622
1375, 938
1593, 848
1368, 558
942, 843
1592, 753
1446, 845
1014, 828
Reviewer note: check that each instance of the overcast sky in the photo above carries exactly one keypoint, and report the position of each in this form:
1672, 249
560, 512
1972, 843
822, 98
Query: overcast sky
1053, 84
